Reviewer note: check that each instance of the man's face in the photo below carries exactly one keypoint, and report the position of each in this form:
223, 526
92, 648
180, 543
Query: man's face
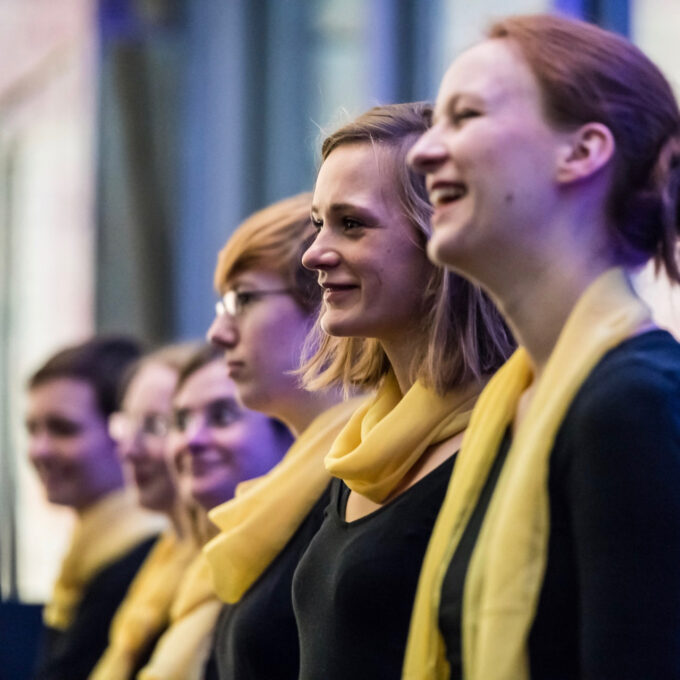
69, 444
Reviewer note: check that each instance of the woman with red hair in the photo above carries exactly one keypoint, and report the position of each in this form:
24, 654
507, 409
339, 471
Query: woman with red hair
553, 166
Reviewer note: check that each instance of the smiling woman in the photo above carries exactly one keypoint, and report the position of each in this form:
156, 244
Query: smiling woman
554, 166
215, 444
70, 399
427, 340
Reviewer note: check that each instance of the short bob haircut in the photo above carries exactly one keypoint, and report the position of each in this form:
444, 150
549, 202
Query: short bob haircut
467, 337
274, 239
586, 74
101, 362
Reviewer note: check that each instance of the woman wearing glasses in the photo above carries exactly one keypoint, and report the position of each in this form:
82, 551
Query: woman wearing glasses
140, 430
553, 165
426, 340
269, 302
215, 444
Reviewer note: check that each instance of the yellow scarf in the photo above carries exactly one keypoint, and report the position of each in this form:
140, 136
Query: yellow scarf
257, 524
387, 436
103, 533
182, 651
145, 610
507, 566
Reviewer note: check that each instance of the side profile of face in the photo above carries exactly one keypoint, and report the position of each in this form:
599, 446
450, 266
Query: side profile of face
69, 443
366, 252
490, 159
217, 442
140, 430
262, 339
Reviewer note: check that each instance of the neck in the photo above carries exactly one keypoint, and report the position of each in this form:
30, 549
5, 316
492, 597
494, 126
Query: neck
538, 304
112, 484
399, 351
298, 412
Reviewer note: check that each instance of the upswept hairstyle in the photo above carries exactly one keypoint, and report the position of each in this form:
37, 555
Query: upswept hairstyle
101, 362
466, 335
274, 238
173, 356
586, 74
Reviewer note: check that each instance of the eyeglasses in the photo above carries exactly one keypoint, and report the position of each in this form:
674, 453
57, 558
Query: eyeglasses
125, 426
217, 414
235, 302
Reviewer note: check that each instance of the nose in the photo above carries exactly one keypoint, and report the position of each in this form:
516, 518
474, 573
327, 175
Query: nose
428, 153
130, 447
198, 434
321, 255
223, 332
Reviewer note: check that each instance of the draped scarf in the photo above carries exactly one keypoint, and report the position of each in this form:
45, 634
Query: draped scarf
259, 521
103, 533
182, 651
507, 566
145, 610
387, 436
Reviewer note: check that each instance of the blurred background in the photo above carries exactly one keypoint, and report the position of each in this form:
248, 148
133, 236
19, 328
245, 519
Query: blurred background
136, 134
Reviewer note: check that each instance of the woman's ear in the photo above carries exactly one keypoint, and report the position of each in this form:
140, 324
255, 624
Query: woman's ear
586, 152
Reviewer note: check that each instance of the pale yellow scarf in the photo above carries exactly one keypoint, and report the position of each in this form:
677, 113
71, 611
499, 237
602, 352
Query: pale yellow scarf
103, 533
386, 437
258, 523
146, 608
182, 651
507, 566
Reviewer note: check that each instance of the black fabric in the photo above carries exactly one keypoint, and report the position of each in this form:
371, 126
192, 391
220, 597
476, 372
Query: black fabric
256, 639
354, 588
73, 653
610, 602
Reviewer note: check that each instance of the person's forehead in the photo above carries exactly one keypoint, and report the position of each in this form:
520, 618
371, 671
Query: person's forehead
492, 70
208, 383
150, 388
64, 395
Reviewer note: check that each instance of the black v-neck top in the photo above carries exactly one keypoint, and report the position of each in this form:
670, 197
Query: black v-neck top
609, 607
256, 638
354, 588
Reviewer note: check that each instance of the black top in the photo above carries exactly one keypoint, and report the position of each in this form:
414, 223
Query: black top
71, 654
256, 639
354, 588
610, 601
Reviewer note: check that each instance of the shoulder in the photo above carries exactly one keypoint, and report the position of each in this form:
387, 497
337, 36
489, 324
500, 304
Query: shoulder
628, 407
637, 382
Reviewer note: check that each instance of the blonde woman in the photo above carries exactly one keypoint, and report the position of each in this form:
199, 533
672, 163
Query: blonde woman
426, 340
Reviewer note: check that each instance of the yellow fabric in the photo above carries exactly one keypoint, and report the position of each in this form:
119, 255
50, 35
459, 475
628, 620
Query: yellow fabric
257, 524
507, 566
146, 608
388, 435
182, 651
103, 533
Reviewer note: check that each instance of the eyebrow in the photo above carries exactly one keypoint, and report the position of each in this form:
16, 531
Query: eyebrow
227, 401
339, 208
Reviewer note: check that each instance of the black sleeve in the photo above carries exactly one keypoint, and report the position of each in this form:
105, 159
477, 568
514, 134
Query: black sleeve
621, 449
72, 654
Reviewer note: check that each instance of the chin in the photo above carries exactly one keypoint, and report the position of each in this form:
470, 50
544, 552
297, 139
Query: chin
341, 327
441, 249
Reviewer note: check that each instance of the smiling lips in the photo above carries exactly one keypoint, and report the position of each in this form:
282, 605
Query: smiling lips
335, 291
444, 193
